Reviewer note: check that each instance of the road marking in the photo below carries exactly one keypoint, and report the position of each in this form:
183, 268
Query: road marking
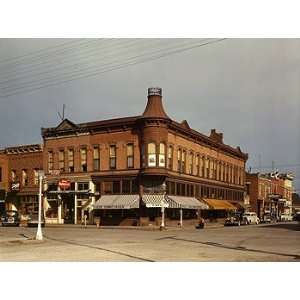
238, 248
99, 248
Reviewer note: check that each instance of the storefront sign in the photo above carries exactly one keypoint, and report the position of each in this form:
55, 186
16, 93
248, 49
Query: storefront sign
64, 184
15, 186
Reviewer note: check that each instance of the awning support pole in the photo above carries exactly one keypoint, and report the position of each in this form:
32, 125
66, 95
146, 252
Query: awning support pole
180, 211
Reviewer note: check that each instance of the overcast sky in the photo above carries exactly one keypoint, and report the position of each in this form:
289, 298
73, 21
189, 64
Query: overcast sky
246, 88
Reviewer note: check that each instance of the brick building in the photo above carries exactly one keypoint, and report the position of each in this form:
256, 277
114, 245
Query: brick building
124, 170
20, 177
270, 193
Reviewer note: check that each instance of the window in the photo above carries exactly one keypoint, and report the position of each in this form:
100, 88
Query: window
179, 160
71, 160
61, 160
197, 165
96, 158
170, 158
202, 160
207, 167
83, 159
130, 156
112, 156
82, 188
162, 155
13, 175
183, 161
35, 177
50, 161
151, 155
24, 177
191, 162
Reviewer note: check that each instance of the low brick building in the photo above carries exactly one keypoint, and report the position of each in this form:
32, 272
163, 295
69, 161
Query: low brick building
21, 177
124, 170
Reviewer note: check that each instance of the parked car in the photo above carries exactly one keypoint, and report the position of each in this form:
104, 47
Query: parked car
286, 217
10, 218
234, 219
250, 218
33, 220
266, 218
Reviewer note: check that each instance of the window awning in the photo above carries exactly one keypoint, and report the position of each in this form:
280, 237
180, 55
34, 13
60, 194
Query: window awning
153, 200
239, 205
117, 202
219, 204
185, 202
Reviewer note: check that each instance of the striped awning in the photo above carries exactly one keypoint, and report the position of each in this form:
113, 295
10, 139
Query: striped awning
185, 202
219, 204
153, 200
117, 202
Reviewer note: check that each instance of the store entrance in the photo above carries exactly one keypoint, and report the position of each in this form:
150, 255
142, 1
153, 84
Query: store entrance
68, 207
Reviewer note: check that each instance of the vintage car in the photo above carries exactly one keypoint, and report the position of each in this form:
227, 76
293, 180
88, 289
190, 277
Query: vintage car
33, 220
234, 219
250, 218
286, 217
10, 218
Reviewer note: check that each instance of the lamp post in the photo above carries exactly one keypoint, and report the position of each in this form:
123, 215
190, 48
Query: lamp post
162, 226
39, 233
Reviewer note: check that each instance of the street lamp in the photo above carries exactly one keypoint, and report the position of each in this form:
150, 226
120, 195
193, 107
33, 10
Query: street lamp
39, 233
162, 226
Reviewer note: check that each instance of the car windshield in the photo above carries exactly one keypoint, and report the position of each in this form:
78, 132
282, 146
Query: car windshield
11, 213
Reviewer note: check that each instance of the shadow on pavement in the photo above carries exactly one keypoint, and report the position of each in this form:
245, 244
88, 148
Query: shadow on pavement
289, 226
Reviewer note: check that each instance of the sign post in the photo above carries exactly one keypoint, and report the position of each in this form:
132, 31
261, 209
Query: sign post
39, 233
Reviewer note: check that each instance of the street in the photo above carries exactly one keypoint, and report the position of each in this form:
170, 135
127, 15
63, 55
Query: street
272, 242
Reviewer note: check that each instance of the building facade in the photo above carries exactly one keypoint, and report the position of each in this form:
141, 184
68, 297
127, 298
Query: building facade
270, 193
21, 177
126, 169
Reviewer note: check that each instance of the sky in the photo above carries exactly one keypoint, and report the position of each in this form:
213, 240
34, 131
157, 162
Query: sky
249, 89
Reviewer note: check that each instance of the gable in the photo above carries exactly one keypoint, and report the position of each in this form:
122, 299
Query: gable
66, 125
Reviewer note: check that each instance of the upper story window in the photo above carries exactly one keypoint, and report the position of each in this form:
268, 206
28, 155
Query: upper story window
207, 167
83, 159
112, 156
183, 161
130, 156
50, 161
191, 163
96, 158
71, 160
202, 166
151, 155
179, 160
162, 155
170, 157
13, 175
24, 177
197, 165
36, 176
61, 160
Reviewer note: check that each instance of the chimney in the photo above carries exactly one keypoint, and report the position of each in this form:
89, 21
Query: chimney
216, 136
154, 108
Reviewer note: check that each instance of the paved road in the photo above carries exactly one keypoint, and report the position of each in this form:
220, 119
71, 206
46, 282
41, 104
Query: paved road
275, 242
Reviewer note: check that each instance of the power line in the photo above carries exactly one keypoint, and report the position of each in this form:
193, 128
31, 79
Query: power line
132, 61
79, 58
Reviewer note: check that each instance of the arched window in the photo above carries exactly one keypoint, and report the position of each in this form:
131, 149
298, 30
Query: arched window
162, 155
151, 155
